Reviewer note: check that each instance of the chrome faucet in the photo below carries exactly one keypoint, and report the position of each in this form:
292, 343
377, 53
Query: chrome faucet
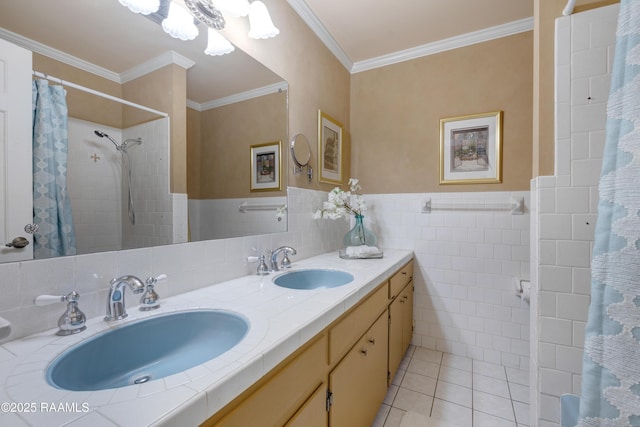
116, 309
286, 263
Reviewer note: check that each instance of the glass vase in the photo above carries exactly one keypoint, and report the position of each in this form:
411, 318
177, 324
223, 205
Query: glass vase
359, 235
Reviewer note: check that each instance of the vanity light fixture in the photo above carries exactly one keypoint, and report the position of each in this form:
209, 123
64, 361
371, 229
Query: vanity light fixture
179, 23
177, 19
144, 7
261, 26
217, 44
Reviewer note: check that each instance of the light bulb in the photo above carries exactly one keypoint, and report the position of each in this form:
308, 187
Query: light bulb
179, 24
217, 44
261, 26
144, 7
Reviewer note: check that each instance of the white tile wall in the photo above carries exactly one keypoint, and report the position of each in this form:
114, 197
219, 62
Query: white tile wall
189, 266
153, 202
98, 191
229, 221
566, 204
466, 263
94, 181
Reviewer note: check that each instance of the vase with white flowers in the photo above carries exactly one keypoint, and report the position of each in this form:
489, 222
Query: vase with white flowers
359, 242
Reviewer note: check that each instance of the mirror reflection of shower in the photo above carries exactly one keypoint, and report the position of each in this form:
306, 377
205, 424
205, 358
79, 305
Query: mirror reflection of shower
122, 148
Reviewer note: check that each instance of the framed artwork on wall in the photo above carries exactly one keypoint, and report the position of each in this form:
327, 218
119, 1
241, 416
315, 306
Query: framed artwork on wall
265, 166
471, 149
330, 149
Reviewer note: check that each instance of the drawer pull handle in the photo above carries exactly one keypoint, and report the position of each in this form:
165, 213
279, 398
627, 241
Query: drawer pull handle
404, 272
372, 340
363, 351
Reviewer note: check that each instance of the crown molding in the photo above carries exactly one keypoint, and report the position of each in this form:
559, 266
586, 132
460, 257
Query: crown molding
239, 97
312, 21
160, 61
58, 55
456, 42
169, 57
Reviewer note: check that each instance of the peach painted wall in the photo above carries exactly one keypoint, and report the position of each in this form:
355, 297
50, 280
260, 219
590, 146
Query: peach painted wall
226, 136
317, 80
164, 90
82, 105
395, 114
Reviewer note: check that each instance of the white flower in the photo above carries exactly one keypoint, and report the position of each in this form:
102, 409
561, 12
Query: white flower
353, 185
342, 204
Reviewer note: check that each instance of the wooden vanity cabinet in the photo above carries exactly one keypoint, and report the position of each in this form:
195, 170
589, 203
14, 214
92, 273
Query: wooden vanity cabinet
340, 377
400, 316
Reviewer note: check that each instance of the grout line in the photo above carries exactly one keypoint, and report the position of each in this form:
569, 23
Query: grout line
435, 390
513, 407
473, 421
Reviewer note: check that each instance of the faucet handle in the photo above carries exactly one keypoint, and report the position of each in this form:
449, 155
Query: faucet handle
286, 262
49, 299
149, 300
154, 280
73, 319
262, 268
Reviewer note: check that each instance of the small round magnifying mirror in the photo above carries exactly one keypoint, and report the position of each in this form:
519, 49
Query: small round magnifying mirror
301, 154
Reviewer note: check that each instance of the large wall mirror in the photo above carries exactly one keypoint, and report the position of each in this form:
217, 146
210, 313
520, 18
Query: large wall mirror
233, 103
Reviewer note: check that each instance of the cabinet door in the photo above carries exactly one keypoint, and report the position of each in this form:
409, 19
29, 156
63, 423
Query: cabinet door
283, 394
314, 412
407, 316
396, 324
359, 382
400, 327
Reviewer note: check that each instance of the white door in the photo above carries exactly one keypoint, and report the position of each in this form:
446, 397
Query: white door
16, 189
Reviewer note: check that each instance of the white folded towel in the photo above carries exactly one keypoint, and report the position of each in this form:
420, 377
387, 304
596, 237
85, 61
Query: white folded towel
362, 250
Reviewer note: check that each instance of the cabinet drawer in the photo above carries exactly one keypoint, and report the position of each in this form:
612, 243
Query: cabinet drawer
349, 329
284, 393
399, 280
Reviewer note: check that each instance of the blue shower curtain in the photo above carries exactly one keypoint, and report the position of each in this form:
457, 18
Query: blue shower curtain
51, 204
611, 368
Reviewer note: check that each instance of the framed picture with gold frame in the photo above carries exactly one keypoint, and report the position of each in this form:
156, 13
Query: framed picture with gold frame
330, 149
265, 166
471, 149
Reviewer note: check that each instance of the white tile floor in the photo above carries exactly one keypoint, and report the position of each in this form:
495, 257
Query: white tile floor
435, 389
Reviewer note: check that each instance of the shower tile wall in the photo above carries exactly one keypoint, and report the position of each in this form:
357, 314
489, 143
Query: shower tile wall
99, 194
563, 228
466, 265
152, 200
94, 187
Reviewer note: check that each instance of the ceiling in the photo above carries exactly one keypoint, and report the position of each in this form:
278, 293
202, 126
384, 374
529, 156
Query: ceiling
361, 33
366, 29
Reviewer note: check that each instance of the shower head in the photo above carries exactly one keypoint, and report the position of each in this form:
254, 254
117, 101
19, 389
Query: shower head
104, 135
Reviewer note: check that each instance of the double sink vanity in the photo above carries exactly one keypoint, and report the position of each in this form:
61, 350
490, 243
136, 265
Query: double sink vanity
264, 350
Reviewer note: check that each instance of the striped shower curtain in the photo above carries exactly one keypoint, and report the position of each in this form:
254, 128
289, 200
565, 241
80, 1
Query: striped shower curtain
51, 204
611, 368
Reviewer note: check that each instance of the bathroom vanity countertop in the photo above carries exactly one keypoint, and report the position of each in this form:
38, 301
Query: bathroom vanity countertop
281, 321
